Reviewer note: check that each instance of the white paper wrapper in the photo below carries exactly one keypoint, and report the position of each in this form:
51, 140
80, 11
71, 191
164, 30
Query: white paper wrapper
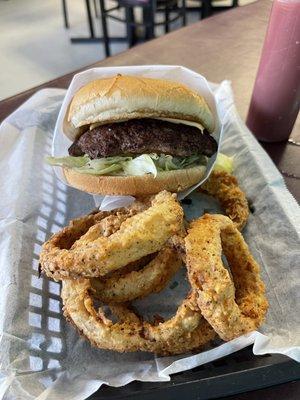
42, 357
177, 73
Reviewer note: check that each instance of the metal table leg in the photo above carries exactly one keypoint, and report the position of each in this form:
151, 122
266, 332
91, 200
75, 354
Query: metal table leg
104, 28
65, 13
167, 17
148, 20
183, 5
206, 8
92, 38
130, 26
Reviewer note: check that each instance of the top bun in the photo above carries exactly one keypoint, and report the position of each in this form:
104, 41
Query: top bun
121, 98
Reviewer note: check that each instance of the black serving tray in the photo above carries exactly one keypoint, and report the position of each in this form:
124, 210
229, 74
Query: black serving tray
237, 373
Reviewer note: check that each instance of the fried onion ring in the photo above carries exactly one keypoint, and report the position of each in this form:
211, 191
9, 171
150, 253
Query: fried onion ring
186, 331
94, 255
137, 284
231, 307
134, 266
224, 187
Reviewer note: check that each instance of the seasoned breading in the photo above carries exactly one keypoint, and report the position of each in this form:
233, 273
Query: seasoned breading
231, 307
224, 187
186, 331
137, 284
94, 255
129, 253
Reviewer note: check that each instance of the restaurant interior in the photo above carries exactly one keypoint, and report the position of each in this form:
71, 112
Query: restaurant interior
45, 39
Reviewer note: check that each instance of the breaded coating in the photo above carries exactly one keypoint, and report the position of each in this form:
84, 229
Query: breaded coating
232, 307
224, 187
186, 331
93, 254
152, 278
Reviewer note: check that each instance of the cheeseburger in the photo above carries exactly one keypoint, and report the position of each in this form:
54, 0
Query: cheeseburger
136, 136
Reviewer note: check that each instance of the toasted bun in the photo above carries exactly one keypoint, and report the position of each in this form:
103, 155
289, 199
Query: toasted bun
127, 97
174, 181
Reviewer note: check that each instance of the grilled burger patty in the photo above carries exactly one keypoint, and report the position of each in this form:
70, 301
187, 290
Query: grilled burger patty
138, 136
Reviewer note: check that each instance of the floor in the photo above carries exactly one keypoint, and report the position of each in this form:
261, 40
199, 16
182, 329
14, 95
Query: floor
35, 47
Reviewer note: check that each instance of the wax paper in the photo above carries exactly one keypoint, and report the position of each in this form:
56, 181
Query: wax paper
41, 355
195, 81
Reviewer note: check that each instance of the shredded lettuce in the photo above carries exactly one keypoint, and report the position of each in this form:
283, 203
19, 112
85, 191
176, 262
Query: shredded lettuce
102, 166
69, 162
110, 170
139, 165
166, 162
224, 163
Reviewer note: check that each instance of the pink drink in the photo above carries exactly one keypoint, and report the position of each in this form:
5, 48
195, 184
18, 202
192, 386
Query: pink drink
276, 94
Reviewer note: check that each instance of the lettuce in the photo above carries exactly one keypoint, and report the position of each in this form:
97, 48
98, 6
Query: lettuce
103, 166
139, 165
108, 170
69, 162
84, 165
224, 163
166, 162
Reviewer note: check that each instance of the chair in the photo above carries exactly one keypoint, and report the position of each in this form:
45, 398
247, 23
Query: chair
207, 7
89, 18
149, 10
65, 14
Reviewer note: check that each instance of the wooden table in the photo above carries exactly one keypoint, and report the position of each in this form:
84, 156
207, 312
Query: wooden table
225, 46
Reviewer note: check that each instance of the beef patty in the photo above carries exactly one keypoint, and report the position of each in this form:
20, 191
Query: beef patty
138, 136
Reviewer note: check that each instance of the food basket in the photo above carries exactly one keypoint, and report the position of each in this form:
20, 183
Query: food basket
237, 373
41, 351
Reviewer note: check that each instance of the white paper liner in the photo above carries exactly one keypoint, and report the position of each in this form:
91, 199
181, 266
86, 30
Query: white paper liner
42, 357
177, 73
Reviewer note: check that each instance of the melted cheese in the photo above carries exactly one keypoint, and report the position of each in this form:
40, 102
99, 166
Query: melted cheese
182, 121
173, 120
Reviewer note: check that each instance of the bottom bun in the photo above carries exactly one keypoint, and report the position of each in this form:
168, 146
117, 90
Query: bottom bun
173, 181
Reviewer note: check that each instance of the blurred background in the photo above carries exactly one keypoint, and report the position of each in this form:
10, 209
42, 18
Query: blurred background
43, 39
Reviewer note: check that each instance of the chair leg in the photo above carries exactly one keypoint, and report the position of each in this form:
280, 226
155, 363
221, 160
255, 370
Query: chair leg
235, 3
206, 8
65, 13
89, 18
148, 20
167, 18
104, 28
130, 28
183, 11
96, 9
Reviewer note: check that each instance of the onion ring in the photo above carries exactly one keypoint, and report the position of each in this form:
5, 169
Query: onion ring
94, 255
137, 284
186, 331
231, 307
224, 187
134, 266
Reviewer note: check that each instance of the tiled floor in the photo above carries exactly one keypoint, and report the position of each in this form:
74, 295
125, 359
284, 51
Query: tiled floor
35, 46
